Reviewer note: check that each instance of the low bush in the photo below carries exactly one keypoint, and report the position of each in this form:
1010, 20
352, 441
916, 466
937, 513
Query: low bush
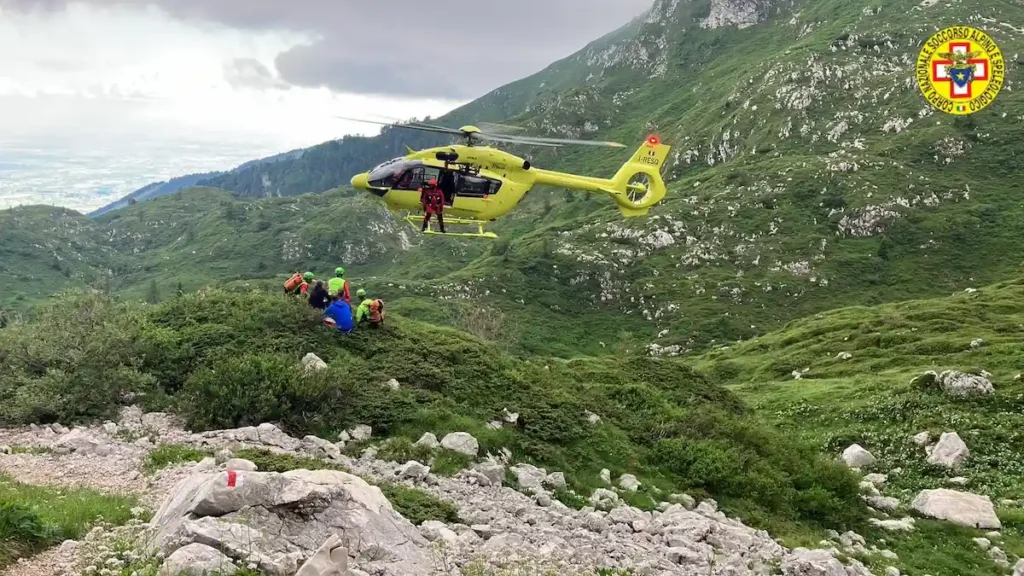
170, 454
418, 506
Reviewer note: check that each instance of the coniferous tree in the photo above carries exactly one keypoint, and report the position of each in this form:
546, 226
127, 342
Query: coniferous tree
153, 295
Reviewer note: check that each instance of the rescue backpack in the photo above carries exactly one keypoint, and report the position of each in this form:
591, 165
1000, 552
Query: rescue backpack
294, 282
376, 311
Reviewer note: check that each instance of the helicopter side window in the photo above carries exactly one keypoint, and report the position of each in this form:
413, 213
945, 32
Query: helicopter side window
477, 186
414, 178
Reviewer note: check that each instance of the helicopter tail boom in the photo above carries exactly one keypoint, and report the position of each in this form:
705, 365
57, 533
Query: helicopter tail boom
635, 187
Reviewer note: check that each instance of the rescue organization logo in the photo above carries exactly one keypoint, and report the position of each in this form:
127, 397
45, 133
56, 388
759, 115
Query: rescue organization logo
960, 70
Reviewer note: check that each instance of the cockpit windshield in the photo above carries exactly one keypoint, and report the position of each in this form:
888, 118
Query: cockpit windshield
383, 176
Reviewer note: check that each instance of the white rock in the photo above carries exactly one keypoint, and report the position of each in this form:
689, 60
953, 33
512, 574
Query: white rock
82, 442
196, 560
361, 433
804, 562
1018, 569
394, 384
605, 476
222, 456
883, 503
869, 488
602, 498
949, 452
555, 480
491, 471
461, 442
255, 520
529, 476
997, 556
240, 464
922, 438
959, 384
207, 464
312, 363
510, 417
429, 440
592, 418
331, 559
433, 530
494, 425
961, 508
343, 436
857, 457
983, 543
902, 525
892, 571
844, 356
876, 479
629, 482
110, 428
685, 499
958, 481
414, 470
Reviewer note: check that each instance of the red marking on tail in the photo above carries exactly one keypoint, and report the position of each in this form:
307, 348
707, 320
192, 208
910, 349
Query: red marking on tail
232, 478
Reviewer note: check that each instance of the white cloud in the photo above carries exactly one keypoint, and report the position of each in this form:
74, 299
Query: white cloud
97, 101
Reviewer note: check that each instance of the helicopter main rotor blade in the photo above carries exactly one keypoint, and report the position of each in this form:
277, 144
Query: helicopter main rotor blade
424, 128
538, 140
508, 140
499, 129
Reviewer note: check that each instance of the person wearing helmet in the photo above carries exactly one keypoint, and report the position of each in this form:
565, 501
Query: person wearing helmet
370, 310
432, 200
338, 286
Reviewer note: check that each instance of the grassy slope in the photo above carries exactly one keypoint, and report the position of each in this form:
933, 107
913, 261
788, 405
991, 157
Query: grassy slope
869, 399
226, 359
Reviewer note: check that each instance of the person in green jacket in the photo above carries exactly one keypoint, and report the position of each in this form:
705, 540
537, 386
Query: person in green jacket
338, 286
370, 310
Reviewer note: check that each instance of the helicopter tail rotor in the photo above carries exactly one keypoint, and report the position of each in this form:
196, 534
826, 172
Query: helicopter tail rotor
638, 184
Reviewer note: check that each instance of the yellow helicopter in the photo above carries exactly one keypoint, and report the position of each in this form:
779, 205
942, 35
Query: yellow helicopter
481, 183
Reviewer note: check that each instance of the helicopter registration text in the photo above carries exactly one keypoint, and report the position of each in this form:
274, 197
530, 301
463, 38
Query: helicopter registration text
652, 160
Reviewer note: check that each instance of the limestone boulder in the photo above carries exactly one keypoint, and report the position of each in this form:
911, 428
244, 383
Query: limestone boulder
961, 508
279, 521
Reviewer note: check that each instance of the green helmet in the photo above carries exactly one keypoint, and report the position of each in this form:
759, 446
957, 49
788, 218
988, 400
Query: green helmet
360, 292
308, 276
339, 271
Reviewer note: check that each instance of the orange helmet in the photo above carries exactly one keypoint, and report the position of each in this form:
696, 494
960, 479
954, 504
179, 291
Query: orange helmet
432, 182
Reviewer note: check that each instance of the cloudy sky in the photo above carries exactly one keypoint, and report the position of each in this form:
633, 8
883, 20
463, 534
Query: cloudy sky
100, 97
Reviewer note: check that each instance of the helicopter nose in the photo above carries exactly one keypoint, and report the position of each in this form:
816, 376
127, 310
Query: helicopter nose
360, 181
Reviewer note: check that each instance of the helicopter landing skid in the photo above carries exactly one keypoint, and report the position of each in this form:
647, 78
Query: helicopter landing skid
417, 221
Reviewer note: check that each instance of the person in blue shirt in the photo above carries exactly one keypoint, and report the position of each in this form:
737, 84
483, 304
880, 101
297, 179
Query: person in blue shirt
339, 315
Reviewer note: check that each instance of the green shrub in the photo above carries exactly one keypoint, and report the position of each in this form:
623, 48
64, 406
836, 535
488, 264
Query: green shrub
72, 364
418, 506
166, 455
